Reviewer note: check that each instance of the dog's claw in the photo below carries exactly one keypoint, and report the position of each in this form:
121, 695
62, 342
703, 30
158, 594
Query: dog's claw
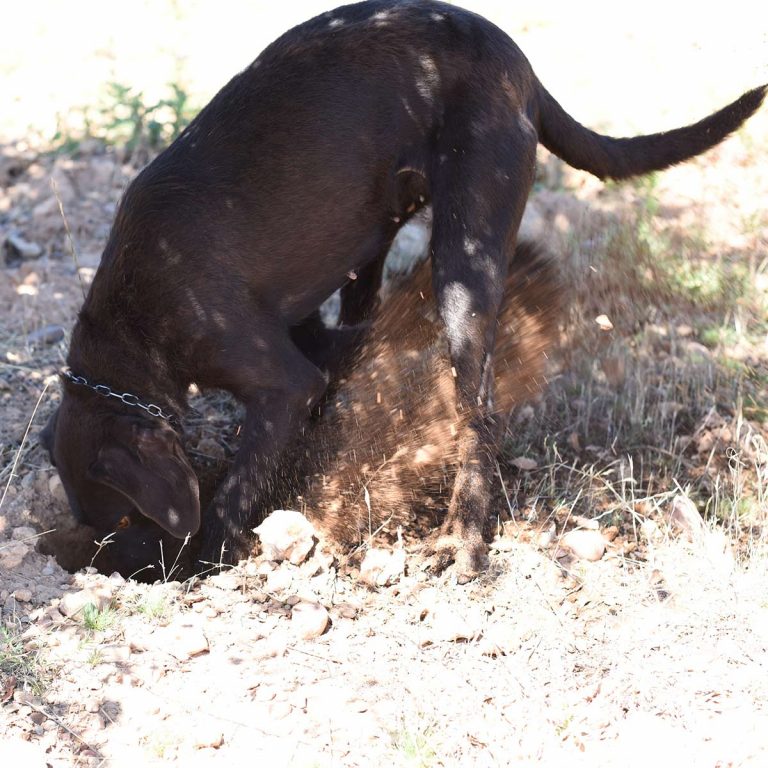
469, 558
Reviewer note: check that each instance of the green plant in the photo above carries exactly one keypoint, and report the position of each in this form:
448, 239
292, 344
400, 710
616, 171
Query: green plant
21, 663
125, 119
97, 620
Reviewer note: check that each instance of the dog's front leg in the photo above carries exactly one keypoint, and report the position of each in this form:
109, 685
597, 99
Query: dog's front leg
279, 392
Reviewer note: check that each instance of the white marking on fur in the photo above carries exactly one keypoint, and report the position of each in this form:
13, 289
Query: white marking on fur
457, 308
428, 82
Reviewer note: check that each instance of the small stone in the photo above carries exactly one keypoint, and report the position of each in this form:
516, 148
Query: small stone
381, 567
309, 620
56, 488
23, 595
525, 464
545, 538
73, 603
23, 533
286, 535
685, 516
226, 580
12, 554
586, 545
47, 335
346, 610
278, 581
20, 248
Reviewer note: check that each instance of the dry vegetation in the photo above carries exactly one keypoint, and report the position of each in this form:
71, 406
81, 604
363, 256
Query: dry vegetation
651, 435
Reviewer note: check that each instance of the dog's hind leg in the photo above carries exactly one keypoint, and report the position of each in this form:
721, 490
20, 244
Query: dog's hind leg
481, 181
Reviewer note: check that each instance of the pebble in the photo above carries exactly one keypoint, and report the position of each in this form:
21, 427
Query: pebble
278, 581
684, 514
286, 535
23, 532
12, 554
23, 595
56, 488
309, 620
23, 248
49, 334
586, 545
73, 603
382, 567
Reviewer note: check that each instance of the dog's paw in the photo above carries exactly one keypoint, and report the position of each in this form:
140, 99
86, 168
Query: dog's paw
467, 556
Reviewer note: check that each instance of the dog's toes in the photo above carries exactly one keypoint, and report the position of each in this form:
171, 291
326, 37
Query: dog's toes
468, 558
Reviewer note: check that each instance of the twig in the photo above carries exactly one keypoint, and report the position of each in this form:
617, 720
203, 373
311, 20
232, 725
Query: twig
21, 445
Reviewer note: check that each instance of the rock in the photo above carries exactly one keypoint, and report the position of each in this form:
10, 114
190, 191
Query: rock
49, 334
278, 581
24, 533
684, 515
545, 538
381, 567
286, 535
226, 580
23, 595
73, 603
12, 553
345, 610
523, 463
17, 247
56, 488
586, 545
309, 620
604, 323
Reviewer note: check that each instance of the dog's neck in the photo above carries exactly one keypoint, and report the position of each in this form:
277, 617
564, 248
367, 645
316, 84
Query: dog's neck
118, 359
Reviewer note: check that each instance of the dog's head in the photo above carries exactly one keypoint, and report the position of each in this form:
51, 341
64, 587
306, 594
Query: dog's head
121, 473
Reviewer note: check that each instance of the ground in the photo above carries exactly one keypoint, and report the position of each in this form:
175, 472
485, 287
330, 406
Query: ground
648, 441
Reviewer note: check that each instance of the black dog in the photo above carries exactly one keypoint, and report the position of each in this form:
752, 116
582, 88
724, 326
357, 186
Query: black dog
301, 170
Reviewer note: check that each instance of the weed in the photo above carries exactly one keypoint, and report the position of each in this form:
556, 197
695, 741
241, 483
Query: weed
18, 662
96, 620
125, 119
412, 748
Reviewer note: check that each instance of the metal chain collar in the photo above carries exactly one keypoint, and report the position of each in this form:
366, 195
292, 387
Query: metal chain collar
126, 397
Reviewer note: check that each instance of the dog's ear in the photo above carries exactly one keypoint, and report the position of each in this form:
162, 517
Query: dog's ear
48, 433
148, 465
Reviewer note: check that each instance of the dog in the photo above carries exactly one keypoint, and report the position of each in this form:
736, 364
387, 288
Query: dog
294, 178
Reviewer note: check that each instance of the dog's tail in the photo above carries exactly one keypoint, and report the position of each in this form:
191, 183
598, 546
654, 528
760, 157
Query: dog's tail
607, 157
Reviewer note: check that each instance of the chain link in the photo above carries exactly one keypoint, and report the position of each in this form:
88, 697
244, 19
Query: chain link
126, 397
